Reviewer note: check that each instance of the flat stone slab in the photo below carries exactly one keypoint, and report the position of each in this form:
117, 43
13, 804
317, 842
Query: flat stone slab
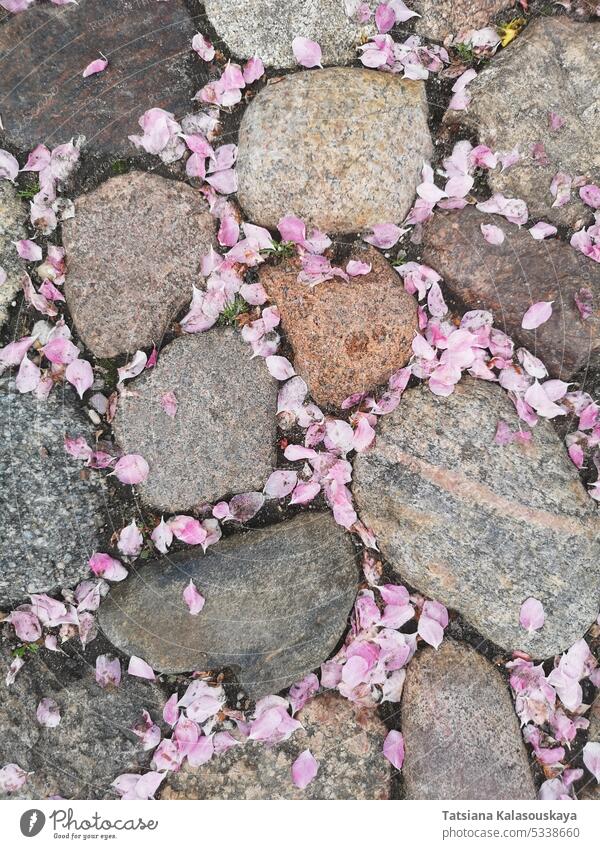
553, 66
461, 733
440, 18
134, 251
277, 601
345, 740
43, 54
341, 148
222, 437
347, 337
13, 213
51, 513
267, 28
92, 744
508, 278
479, 526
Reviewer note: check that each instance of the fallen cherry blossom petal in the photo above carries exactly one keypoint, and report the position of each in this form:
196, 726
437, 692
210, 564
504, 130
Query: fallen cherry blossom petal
95, 67
12, 778
541, 230
108, 671
536, 315
162, 536
280, 367
131, 469
355, 268
492, 234
48, 713
26, 624
280, 483
130, 540
393, 749
169, 404
591, 759
9, 167
107, 567
79, 373
29, 250
203, 47
193, 599
134, 367
304, 769
140, 668
590, 195
532, 615
307, 52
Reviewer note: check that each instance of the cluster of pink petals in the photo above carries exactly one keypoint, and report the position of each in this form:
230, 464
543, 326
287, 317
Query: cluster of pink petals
587, 240
54, 167
587, 436
411, 58
227, 90
12, 777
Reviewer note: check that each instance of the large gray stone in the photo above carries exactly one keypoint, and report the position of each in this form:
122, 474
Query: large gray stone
461, 733
441, 18
479, 526
222, 437
341, 148
277, 601
51, 513
266, 28
553, 66
93, 743
12, 228
346, 741
133, 254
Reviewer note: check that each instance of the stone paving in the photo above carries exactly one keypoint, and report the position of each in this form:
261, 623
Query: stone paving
466, 522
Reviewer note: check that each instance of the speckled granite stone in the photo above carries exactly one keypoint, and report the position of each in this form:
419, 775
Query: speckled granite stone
133, 253
340, 148
266, 28
482, 527
277, 602
345, 740
440, 18
554, 65
347, 337
461, 733
13, 213
51, 512
508, 278
591, 789
222, 437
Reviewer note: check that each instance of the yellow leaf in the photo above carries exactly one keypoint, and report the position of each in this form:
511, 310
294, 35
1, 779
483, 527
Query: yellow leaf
509, 31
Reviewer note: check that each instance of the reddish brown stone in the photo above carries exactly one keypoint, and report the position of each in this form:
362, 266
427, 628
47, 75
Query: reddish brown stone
134, 250
44, 51
508, 278
347, 337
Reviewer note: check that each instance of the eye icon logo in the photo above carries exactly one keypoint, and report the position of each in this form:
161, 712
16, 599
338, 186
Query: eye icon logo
32, 822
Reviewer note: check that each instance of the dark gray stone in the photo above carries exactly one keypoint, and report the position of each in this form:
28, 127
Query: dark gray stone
346, 741
554, 65
51, 508
277, 601
461, 733
92, 744
222, 437
134, 250
12, 216
479, 526
341, 148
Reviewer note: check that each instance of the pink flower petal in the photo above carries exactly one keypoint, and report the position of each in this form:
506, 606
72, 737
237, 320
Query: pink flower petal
393, 749
384, 235
79, 373
169, 404
12, 778
355, 268
292, 229
541, 230
48, 713
280, 483
130, 540
9, 167
280, 367
307, 52
131, 469
203, 47
108, 671
193, 599
107, 567
492, 234
590, 195
591, 759
140, 668
532, 615
29, 250
304, 769
536, 315
95, 67
162, 536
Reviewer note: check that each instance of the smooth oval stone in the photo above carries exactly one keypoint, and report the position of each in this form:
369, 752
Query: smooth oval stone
440, 18
277, 601
43, 54
508, 278
461, 734
134, 251
13, 213
553, 66
340, 148
266, 28
346, 741
347, 337
222, 437
51, 513
482, 527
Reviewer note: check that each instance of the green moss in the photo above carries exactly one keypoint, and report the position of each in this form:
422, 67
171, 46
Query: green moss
230, 313
280, 250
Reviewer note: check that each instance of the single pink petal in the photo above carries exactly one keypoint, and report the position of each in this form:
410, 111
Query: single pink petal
130, 540
29, 250
26, 624
590, 195
187, 529
60, 350
543, 405
95, 67
193, 599
305, 492
307, 52
203, 47
532, 615
140, 668
536, 315
384, 235
13, 353
492, 234
105, 566
355, 268
12, 778
292, 229
431, 631
385, 18
280, 483
28, 376
591, 759
393, 749
170, 710
9, 167
79, 373
108, 671
131, 469
253, 70
576, 454
225, 182
48, 713
304, 769
280, 367
162, 536
541, 230
169, 404
245, 506
133, 367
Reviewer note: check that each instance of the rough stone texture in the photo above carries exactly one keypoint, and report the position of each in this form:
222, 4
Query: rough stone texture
440, 18
43, 54
479, 526
133, 251
591, 789
346, 741
267, 28
277, 600
341, 148
50, 511
461, 733
93, 742
12, 216
347, 337
553, 66
222, 437
508, 278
